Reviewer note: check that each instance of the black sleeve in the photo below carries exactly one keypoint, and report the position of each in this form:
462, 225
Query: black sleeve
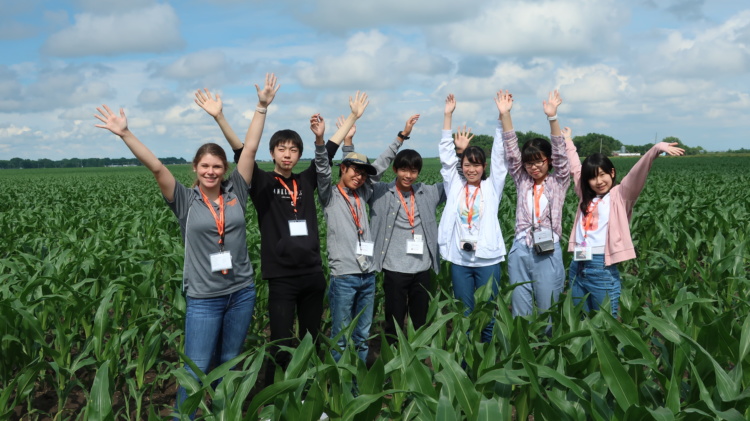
331, 148
237, 153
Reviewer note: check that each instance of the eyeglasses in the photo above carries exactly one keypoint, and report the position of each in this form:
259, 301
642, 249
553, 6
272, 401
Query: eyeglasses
535, 163
358, 172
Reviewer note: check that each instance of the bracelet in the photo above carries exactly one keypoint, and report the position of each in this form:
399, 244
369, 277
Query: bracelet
261, 110
553, 118
401, 135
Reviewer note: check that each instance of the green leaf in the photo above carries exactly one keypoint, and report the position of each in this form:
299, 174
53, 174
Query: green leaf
617, 378
100, 406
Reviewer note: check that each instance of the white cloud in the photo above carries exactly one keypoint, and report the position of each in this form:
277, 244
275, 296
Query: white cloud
371, 61
154, 29
529, 28
194, 65
13, 130
156, 99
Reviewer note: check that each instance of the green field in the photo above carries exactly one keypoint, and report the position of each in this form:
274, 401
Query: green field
91, 317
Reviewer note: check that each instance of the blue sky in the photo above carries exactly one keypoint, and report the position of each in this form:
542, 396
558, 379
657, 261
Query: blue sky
634, 70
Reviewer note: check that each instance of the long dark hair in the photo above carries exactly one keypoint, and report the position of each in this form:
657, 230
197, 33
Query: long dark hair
590, 169
537, 149
210, 149
475, 155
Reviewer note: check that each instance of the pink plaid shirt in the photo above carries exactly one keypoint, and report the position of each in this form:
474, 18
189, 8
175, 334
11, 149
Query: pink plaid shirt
555, 187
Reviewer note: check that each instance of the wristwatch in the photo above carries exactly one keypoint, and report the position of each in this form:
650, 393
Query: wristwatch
401, 135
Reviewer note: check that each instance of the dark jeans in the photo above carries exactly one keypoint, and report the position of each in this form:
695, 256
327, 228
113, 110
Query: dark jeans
405, 292
300, 296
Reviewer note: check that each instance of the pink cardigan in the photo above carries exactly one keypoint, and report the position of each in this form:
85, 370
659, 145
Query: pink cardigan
619, 245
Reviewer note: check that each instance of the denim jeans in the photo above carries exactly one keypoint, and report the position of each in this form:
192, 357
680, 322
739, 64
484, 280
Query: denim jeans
215, 330
599, 281
546, 273
466, 280
348, 295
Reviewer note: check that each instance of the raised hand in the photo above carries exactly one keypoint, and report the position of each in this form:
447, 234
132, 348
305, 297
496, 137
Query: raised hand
317, 125
550, 105
462, 139
504, 101
410, 125
359, 103
340, 122
112, 122
210, 105
673, 150
567, 133
267, 94
450, 104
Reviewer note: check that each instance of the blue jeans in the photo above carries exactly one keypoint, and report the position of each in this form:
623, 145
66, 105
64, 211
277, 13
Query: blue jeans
546, 273
599, 281
215, 330
348, 295
466, 280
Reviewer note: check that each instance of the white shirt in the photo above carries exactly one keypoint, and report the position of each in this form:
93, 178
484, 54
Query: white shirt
597, 237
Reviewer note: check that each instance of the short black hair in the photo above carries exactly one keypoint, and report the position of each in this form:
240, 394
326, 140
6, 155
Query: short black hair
537, 149
408, 158
285, 136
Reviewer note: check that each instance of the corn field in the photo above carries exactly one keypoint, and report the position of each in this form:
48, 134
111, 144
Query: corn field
91, 317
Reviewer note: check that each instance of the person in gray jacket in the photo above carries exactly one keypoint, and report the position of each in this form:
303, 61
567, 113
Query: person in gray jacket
402, 218
350, 239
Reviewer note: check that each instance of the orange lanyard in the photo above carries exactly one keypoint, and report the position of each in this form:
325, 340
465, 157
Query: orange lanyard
292, 194
409, 215
355, 216
538, 195
470, 205
219, 219
588, 219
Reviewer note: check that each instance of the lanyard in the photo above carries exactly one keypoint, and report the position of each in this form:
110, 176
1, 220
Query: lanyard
409, 214
470, 205
355, 216
292, 194
588, 219
538, 195
219, 219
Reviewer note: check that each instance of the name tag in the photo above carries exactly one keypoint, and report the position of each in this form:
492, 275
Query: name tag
415, 246
582, 253
297, 228
221, 261
365, 248
542, 236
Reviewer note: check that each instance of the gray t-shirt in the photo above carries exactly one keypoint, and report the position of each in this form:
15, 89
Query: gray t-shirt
201, 237
396, 258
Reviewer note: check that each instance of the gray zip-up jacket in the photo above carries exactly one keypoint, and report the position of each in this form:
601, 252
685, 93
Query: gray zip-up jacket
342, 232
384, 209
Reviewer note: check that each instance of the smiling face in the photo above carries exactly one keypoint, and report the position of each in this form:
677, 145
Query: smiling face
538, 168
473, 171
285, 156
210, 170
405, 177
352, 177
602, 182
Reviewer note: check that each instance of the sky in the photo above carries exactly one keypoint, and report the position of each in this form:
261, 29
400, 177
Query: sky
637, 71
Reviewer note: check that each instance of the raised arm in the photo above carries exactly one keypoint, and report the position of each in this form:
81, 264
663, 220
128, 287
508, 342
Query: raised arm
322, 161
386, 158
246, 161
119, 126
633, 183
357, 105
214, 108
498, 164
504, 102
447, 149
559, 156
574, 161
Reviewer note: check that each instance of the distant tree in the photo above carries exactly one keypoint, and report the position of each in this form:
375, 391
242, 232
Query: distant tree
525, 137
592, 143
484, 141
688, 150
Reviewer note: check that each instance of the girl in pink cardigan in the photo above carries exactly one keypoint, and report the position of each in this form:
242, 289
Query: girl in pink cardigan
601, 234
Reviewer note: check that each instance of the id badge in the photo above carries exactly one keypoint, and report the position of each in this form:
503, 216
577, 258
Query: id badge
582, 253
365, 248
221, 261
542, 236
415, 246
297, 228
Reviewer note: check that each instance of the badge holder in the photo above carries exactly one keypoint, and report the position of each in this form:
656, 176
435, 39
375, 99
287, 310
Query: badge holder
221, 262
415, 246
582, 253
297, 228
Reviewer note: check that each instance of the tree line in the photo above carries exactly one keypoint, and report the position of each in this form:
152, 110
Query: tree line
589, 143
18, 163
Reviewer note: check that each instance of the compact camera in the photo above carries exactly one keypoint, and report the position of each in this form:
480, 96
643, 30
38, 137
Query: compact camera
468, 245
543, 242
